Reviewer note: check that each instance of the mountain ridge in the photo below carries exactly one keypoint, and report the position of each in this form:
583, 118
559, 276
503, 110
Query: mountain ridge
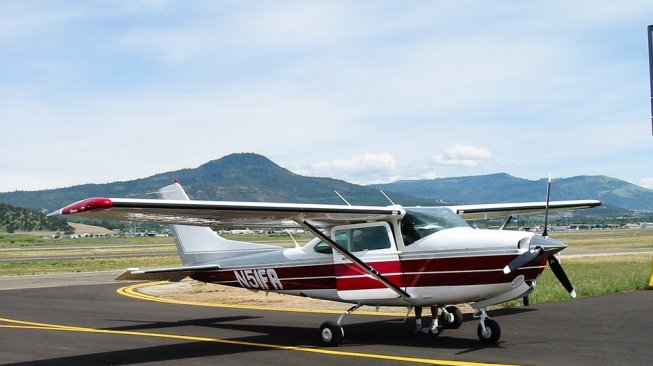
235, 177
254, 177
502, 187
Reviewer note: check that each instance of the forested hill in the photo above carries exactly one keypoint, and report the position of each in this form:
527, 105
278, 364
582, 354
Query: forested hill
14, 219
237, 177
506, 188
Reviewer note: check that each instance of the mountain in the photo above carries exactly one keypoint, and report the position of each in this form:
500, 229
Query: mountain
235, 177
503, 187
252, 177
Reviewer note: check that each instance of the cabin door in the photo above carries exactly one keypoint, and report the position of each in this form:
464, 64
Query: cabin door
374, 244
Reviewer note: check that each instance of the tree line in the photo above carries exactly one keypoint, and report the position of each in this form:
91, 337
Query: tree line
14, 219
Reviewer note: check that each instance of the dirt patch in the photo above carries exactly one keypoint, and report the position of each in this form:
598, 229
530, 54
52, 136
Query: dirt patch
89, 229
189, 290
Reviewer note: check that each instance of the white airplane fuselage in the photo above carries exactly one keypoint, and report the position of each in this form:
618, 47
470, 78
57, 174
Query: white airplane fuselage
456, 265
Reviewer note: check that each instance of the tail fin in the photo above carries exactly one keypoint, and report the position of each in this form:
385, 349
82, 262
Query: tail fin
201, 245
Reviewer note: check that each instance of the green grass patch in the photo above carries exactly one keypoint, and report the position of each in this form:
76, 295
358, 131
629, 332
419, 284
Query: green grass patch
88, 252
86, 265
606, 239
32, 241
593, 276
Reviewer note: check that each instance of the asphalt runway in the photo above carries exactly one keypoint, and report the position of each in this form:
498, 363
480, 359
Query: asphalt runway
93, 324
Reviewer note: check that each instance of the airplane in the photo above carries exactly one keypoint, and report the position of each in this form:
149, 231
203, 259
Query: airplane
363, 255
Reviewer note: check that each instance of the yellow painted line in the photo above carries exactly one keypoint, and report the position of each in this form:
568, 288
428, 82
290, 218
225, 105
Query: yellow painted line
132, 291
650, 282
19, 324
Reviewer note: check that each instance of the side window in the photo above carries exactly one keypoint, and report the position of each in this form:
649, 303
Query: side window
363, 238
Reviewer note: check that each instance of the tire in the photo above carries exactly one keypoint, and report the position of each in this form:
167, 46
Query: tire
457, 318
491, 335
331, 334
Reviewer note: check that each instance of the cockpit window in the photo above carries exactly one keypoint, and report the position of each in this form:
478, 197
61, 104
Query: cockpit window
420, 222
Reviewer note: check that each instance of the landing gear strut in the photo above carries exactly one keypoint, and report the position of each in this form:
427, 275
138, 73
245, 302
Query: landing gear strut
488, 330
332, 333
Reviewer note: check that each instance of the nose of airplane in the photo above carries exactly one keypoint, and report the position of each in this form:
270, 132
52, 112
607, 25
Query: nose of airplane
543, 246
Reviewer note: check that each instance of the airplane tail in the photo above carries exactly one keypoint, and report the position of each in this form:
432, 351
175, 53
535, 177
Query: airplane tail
198, 246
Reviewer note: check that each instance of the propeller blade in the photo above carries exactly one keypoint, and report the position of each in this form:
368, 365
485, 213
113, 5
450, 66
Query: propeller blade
560, 274
520, 261
546, 210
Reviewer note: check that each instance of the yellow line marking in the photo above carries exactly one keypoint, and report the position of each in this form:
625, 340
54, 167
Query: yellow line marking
131, 291
650, 282
18, 324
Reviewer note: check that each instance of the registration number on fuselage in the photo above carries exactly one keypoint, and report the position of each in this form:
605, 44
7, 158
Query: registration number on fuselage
264, 279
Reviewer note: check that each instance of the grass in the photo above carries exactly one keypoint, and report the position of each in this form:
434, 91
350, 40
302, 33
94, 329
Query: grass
606, 239
26, 250
593, 276
29, 240
86, 265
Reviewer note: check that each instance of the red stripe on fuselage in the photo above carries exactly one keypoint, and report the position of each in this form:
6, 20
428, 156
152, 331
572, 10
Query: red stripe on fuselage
459, 271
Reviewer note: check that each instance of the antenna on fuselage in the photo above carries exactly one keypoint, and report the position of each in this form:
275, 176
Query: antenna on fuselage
293, 238
386, 196
342, 198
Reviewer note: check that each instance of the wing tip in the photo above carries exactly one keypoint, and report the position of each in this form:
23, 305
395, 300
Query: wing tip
89, 204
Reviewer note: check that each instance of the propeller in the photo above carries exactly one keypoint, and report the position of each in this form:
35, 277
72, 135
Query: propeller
553, 247
541, 245
546, 209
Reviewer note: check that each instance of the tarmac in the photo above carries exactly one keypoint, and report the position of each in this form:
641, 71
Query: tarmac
82, 319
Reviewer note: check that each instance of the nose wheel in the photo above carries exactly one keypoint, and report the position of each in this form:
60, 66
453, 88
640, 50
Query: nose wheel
488, 330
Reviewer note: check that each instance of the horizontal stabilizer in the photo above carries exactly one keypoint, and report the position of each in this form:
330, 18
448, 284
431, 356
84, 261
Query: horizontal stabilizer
164, 274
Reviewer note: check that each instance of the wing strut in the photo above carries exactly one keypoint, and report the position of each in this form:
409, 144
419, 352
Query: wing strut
362, 265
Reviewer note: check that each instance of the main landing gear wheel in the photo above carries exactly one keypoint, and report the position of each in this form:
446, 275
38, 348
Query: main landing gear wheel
452, 318
331, 334
491, 334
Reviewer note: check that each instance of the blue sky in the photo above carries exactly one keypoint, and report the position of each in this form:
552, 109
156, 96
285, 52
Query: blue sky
365, 91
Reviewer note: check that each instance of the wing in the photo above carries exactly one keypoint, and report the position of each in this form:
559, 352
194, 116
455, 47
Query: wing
473, 212
224, 213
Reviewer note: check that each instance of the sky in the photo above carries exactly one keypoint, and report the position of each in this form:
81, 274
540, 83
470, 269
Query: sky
364, 91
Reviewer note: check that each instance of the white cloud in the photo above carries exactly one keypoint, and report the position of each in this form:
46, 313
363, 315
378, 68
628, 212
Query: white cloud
463, 155
367, 168
647, 183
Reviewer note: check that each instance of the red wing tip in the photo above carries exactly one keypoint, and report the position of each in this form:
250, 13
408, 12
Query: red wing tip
89, 204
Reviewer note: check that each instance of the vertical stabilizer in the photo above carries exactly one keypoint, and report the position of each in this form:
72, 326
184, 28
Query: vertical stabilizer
199, 245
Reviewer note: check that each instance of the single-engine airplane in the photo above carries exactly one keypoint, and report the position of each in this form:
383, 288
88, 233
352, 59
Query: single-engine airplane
363, 255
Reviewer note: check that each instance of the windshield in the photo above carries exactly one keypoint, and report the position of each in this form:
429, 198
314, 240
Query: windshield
420, 222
